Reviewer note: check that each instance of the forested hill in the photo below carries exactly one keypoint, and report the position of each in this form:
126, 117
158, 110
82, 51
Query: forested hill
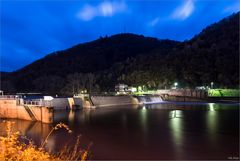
96, 55
210, 56
91, 57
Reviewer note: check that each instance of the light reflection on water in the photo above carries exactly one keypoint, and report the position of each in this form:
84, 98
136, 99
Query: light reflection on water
176, 125
144, 124
212, 120
71, 117
159, 131
177, 129
143, 118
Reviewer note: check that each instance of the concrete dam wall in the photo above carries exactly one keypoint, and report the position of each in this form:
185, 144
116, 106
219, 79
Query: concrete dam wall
72, 103
124, 100
10, 108
113, 100
148, 99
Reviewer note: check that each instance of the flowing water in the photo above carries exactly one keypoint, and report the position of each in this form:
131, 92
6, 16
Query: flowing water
149, 99
158, 131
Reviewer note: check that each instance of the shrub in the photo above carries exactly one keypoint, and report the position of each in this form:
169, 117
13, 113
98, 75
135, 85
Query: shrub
13, 149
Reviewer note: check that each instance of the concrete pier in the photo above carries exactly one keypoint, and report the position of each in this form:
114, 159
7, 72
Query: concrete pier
14, 108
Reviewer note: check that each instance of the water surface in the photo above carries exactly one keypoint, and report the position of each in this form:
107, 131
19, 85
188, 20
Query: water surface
158, 131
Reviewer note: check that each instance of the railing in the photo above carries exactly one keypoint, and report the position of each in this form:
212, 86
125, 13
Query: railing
8, 96
163, 91
195, 93
37, 103
81, 95
188, 93
20, 101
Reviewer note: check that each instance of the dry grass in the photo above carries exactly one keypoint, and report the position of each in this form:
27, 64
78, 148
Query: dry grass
12, 149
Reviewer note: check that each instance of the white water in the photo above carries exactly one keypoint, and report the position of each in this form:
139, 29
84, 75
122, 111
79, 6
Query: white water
149, 99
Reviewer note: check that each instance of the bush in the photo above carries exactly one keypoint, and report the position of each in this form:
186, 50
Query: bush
12, 149
223, 92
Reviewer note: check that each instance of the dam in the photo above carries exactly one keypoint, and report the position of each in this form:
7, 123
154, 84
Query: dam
12, 106
149, 99
101, 101
18, 109
42, 108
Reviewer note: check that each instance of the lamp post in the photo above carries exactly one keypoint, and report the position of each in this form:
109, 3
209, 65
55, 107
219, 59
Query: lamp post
175, 85
212, 85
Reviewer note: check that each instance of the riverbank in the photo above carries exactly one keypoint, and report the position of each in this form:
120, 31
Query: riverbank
207, 99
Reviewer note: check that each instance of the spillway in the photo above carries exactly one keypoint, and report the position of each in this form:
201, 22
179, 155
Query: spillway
149, 99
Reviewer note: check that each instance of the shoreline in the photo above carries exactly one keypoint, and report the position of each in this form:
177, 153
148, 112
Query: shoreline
207, 99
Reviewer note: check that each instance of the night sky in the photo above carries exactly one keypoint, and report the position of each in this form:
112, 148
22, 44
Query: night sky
33, 29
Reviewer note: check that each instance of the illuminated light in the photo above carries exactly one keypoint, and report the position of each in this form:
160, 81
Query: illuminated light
134, 89
176, 84
175, 114
211, 106
212, 84
139, 88
48, 98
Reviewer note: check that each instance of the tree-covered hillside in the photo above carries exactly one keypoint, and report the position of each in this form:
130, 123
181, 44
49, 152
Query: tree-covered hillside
210, 56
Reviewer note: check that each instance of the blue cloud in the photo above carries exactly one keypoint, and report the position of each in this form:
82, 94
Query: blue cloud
103, 9
232, 8
154, 22
184, 11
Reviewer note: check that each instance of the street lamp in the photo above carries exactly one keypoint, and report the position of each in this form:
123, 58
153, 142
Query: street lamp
212, 85
175, 84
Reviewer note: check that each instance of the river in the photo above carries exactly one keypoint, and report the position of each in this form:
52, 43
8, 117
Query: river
157, 131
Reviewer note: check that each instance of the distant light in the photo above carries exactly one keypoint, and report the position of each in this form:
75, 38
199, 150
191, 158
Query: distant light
212, 84
47, 98
140, 88
176, 114
211, 106
134, 89
176, 84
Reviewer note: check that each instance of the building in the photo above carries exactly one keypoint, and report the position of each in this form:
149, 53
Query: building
121, 89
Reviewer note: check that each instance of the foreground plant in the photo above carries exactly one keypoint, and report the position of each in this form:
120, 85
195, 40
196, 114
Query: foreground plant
12, 149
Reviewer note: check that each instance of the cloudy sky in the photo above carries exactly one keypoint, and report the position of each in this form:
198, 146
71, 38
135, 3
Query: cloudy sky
31, 29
